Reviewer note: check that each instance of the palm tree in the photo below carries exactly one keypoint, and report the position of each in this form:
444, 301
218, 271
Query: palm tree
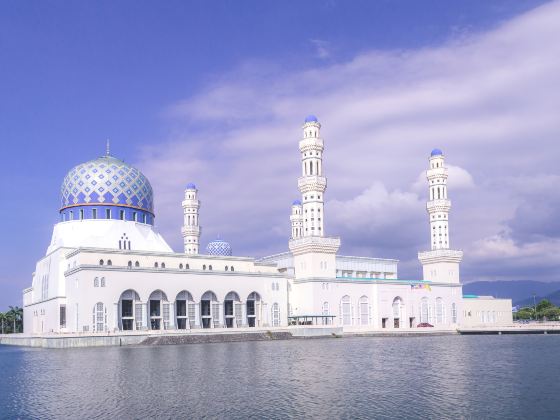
3, 318
16, 314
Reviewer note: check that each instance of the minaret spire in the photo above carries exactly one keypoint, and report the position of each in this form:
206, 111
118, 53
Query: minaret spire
108, 150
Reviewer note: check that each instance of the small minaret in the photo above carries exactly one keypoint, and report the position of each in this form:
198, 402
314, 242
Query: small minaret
312, 183
296, 219
441, 264
191, 228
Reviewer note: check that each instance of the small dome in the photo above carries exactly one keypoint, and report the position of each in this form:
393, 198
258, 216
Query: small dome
219, 247
437, 152
191, 186
311, 118
296, 203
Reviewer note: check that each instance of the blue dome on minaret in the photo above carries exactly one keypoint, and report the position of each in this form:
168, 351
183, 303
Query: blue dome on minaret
191, 186
436, 152
296, 203
106, 188
311, 118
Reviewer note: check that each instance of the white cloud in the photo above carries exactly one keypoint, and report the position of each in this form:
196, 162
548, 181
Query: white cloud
489, 100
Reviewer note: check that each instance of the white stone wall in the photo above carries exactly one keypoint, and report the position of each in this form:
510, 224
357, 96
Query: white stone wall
486, 311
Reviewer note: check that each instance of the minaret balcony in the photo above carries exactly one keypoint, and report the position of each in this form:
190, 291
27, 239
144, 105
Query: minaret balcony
312, 183
311, 144
436, 173
190, 230
435, 206
440, 255
315, 244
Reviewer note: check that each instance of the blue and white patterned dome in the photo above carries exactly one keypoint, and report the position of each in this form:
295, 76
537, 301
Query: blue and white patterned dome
191, 186
311, 118
296, 203
105, 183
437, 152
219, 247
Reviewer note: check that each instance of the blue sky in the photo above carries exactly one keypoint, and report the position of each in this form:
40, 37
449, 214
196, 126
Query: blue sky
215, 93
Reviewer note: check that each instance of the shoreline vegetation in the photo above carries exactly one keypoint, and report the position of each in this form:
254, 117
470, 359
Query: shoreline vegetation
11, 321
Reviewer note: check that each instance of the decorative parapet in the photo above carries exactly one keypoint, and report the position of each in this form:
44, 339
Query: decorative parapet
312, 183
309, 244
311, 143
440, 255
190, 230
438, 205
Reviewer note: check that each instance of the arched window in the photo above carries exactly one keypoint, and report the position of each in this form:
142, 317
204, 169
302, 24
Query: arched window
136, 264
103, 284
439, 311
96, 282
210, 267
204, 267
275, 315
226, 268
129, 264
109, 262
99, 317
156, 265
364, 310
326, 308
187, 267
346, 310
181, 266
162, 265
453, 313
100, 262
424, 310
231, 268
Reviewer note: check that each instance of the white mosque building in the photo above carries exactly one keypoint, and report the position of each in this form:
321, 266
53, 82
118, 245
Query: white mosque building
107, 269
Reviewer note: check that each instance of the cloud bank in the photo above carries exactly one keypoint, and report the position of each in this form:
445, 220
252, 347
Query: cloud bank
489, 100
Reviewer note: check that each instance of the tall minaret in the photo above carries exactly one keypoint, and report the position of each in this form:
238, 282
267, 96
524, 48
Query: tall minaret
296, 219
314, 254
441, 264
312, 183
191, 228
438, 205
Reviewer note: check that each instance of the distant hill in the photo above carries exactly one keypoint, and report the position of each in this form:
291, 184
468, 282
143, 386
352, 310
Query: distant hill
554, 297
518, 290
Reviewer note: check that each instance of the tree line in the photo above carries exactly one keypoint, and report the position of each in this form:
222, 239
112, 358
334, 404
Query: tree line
11, 321
545, 310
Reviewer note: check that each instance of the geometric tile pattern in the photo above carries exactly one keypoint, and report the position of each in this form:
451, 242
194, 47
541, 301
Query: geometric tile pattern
219, 247
107, 180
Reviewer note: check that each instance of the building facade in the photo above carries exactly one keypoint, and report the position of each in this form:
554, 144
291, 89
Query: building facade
107, 269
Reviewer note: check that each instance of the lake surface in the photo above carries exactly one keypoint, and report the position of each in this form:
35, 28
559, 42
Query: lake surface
406, 377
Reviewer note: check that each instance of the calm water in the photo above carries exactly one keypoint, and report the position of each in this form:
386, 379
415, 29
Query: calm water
413, 377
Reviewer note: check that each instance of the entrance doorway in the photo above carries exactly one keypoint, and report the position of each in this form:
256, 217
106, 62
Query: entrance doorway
208, 309
253, 309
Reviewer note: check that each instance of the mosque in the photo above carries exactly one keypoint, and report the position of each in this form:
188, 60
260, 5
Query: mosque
108, 270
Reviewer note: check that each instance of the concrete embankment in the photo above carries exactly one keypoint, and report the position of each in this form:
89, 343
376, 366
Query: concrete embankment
61, 341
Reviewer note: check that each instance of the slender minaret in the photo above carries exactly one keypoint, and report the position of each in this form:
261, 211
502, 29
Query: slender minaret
438, 205
312, 183
441, 264
314, 253
296, 218
191, 228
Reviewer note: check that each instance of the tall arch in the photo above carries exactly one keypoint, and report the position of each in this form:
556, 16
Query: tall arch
275, 314
232, 310
99, 317
364, 310
397, 312
209, 310
158, 310
424, 310
185, 312
130, 311
440, 317
254, 307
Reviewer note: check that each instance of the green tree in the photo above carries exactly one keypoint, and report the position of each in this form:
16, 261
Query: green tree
544, 304
551, 313
3, 320
526, 313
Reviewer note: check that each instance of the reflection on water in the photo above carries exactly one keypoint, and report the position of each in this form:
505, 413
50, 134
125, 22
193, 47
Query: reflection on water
449, 376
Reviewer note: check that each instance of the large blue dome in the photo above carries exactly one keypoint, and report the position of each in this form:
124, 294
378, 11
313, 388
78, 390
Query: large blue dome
219, 247
311, 118
113, 188
437, 152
